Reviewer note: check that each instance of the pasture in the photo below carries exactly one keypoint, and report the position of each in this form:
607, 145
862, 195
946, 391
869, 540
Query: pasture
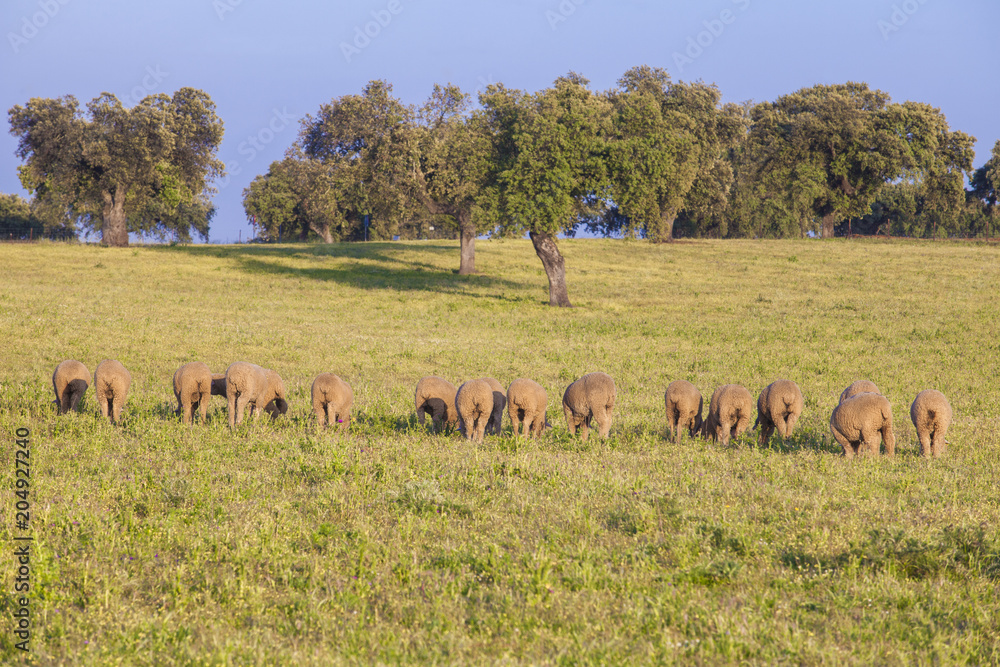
160, 544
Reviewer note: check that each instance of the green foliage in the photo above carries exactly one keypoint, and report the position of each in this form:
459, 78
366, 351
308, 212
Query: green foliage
546, 155
454, 157
824, 154
144, 169
299, 197
16, 220
369, 145
668, 149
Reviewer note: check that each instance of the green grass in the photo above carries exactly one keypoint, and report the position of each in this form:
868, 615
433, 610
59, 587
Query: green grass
160, 544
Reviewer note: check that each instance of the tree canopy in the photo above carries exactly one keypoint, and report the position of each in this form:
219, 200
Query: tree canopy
144, 169
298, 196
668, 149
370, 143
826, 153
453, 147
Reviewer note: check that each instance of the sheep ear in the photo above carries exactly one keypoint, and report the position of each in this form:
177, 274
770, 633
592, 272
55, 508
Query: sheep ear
282, 405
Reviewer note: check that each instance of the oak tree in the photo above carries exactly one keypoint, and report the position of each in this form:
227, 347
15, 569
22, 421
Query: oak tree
370, 143
667, 149
138, 169
453, 165
546, 164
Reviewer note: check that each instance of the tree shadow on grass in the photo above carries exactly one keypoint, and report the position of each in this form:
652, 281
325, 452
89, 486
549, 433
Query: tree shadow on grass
800, 441
381, 424
388, 272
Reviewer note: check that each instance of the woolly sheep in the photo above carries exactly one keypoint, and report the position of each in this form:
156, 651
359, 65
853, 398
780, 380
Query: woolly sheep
260, 388
193, 389
728, 413
931, 415
436, 396
218, 384
70, 381
590, 397
778, 406
332, 399
111, 383
526, 403
684, 403
857, 387
474, 401
499, 402
860, 421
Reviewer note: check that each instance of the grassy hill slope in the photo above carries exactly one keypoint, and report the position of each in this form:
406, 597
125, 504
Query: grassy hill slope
161, 544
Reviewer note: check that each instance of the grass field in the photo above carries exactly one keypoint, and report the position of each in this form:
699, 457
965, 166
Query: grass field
159, 544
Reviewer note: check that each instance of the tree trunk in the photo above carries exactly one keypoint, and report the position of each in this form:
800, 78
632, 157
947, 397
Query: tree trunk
555, 268
665, 233
827, 223
114, 232
467, 240
322, 230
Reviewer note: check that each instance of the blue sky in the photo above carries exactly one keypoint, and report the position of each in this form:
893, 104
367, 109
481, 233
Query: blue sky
266, 65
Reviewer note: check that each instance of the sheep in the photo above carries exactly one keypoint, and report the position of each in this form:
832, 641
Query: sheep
260, 388
111, 383
526, 403
779, 405
474, 401
218, 384
499, 402
858, 387
859, 421
931, 415
70, 381
683, 403
436, 396
193, 389
590, 397
728, 413
332, 399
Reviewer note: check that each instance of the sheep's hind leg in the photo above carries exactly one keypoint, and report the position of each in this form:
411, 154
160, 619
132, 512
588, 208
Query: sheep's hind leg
938, 444
847, 445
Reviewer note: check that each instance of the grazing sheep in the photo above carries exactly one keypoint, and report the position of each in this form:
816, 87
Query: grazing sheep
858, 387
590, 397
931, 414
474, 401
332, 399
526, 403
111, 383
728, 413
436, 396
260, 388
860, 421
193, 389
684, 403
499, 402
779, 405
70, 381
